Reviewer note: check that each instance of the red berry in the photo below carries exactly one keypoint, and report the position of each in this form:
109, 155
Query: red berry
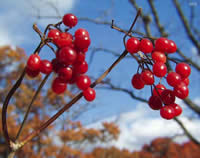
56, 65
132, 45
159, 88
83, 82
155, 102
67, 55
89, 94
173, 79
32, 73
181, 91
168, 97
70, 20
73, 78
162, 44
65, 73
177, 109
167, 112
159, 57
65, 39
147, 77
54, 34
82, 42
33, 62
80, 57
58, 86
171, 47
159, 69
46, 67
81, 32
183, 69
137, 82
186, 81
81, 67
146, 46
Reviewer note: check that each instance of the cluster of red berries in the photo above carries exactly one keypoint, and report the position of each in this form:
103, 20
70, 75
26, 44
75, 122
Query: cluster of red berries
69, 64
153, 65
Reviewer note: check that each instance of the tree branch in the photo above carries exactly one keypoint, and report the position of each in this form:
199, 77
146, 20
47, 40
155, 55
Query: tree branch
187, 133
145, 18
156, 18
186, 24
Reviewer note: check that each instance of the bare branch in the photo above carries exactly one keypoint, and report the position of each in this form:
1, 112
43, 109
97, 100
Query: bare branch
129, 92
195, 65
192, 105
186, 24
156, 18
187, 133
146, 19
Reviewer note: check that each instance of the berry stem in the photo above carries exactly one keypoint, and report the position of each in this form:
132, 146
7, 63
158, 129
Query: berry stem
8, 97
30, 105
72, 102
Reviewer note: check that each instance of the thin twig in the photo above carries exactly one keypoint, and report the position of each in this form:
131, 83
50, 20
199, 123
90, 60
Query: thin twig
186, 24
72, 102
187, 133
8, 97
30, 105
77, 97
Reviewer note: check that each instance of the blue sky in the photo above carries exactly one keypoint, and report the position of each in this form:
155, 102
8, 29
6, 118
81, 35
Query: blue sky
16, 22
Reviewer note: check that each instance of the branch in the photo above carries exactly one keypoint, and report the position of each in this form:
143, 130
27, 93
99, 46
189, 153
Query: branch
76, 98
30, 105
186, 24
156, 18
192, 105
187, 133
113, 87
8, 97
94, 50
72, 102
195, 65
145, 18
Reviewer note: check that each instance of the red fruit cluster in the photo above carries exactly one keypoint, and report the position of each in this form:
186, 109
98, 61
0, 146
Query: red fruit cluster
35, 65
153, 65
69, 63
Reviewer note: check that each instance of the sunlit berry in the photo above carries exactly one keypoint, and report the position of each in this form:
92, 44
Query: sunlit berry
67, 55
173, 79
177, 109
159, 69
46, 67
89, 94
132, 45
33, 62
155, 102
183, 69
167, 112
148, 77
158, 89
58, 86
181, 90
168, 97
162, 44
159, 57
83, 82
137, 81
70, 20
146, 46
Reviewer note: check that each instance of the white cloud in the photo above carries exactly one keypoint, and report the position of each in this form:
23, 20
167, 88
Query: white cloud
142, 125
17, 18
